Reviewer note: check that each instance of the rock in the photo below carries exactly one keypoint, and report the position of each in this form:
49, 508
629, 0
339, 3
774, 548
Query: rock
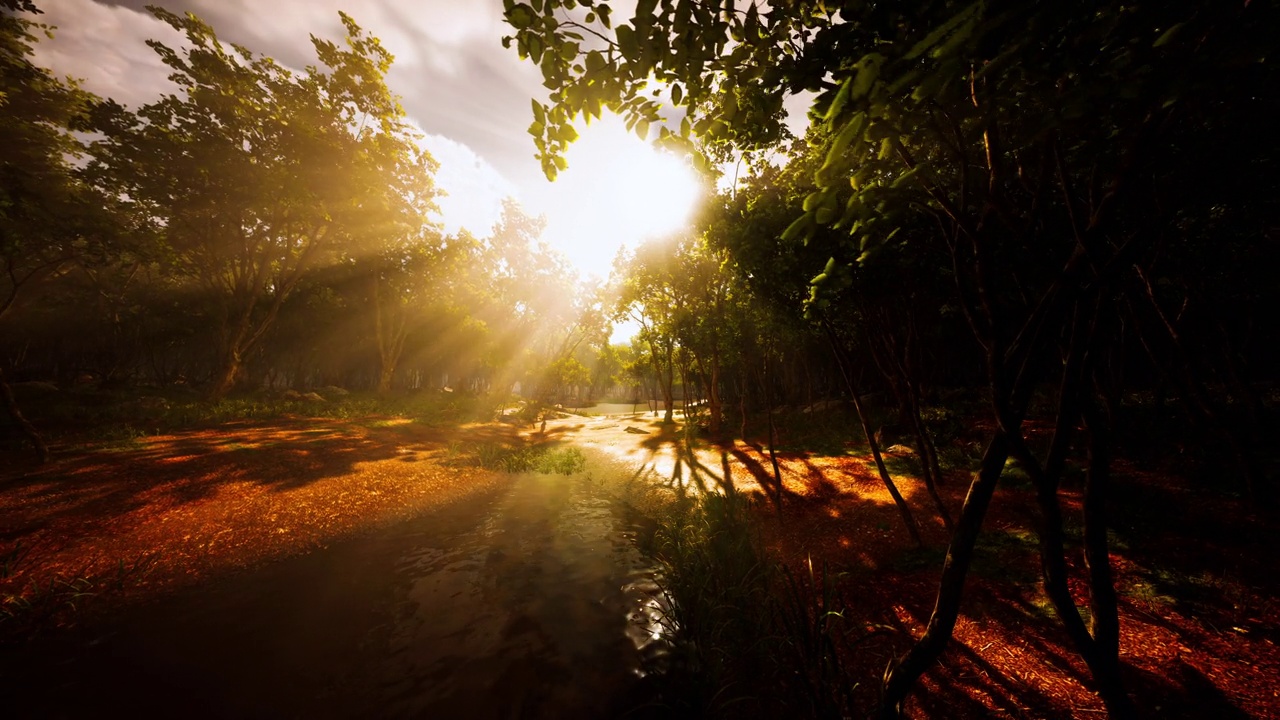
899, 450
334, 391
312, 397
636, 431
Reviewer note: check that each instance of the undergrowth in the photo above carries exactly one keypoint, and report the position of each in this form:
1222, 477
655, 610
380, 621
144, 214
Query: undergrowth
119, 419
531, 458
751, 638
61, 600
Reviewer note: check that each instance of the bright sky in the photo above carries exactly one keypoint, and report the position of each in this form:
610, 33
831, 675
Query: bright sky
618, 190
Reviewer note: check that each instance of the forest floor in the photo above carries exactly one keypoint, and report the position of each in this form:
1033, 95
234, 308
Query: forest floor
113, 523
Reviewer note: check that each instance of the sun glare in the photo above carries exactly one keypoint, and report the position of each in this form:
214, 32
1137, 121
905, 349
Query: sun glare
617, 191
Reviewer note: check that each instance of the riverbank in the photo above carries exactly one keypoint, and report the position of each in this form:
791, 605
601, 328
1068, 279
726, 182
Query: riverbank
107, 524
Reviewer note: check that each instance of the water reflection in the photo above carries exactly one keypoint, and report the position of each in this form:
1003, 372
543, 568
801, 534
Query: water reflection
533, 602
544, 609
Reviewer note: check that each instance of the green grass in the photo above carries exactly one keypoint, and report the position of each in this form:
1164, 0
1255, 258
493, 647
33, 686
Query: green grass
751, 638
120, 417
534, 458
59, 601
116, 437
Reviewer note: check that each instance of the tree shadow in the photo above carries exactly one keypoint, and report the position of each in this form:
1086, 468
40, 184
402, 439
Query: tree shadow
1183, 693
83, 491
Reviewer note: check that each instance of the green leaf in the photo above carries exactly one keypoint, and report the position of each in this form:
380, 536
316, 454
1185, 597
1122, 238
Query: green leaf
1167, 36
851, 130
868, 73
838, 102
626, 42
677, 94
904, 177
800, 225
942, 31
521, 16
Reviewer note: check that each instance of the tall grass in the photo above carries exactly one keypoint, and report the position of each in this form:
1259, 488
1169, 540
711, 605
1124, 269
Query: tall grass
752, 639
60, 601
532, 458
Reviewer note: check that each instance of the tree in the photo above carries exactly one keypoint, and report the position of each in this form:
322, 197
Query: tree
48, 219
397, 246
253, 172
1036, 141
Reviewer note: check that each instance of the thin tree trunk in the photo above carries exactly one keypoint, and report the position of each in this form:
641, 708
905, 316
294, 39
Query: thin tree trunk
902, 676
24, 425
1102, 593
903, 509
773, 440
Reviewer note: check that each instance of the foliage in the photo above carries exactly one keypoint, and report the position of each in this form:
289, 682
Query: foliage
264, 171
536, 458
1024, 155
752, 639
47, 217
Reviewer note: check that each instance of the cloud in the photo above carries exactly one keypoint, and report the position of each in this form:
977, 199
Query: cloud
451, 71
473, 188
105, 47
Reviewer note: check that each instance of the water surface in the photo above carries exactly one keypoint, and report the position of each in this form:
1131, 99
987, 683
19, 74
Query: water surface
531, 601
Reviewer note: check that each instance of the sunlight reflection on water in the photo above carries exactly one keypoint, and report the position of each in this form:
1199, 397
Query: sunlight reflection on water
548, 599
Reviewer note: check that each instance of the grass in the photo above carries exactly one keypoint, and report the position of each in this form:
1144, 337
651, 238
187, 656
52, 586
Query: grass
117, 437
61, 600
751, 638
746, 637
119, 419
534, 458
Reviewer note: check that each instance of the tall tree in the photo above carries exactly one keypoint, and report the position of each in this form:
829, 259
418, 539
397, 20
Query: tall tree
48, 218
253, 172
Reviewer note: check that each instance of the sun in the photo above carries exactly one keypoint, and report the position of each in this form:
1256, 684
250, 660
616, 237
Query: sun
618, 190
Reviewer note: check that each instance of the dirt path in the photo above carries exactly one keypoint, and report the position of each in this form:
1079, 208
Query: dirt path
171, 509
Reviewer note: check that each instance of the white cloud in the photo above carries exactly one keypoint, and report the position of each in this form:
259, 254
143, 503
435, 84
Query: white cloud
474, 189
105, 47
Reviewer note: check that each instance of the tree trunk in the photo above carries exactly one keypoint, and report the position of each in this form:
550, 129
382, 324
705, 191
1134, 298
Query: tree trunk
668, 390
903, 509
225, 380
24, 425
1102, 592
714, 404
773, 440
902, 676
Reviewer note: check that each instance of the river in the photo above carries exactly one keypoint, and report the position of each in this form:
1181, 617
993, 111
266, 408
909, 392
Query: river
531, 601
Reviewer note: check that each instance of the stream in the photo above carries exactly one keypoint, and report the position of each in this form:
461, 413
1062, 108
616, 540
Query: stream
531, 601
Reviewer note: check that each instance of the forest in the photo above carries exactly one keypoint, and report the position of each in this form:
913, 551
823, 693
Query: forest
1014, 272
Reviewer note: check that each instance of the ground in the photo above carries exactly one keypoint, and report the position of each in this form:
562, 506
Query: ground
115, 523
